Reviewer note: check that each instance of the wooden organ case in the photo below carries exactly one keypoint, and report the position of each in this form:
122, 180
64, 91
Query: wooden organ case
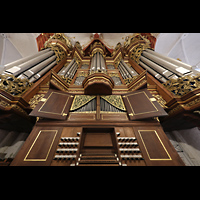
96, 108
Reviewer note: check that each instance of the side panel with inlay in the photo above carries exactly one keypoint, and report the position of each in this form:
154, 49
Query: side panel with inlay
39, 147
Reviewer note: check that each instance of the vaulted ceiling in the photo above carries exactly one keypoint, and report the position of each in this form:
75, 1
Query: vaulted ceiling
183, 46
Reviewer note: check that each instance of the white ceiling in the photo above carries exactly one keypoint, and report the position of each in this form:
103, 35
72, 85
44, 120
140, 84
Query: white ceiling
185, 46
110, 39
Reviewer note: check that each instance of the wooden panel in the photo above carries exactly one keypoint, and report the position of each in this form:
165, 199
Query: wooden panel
141, 104
56, 105
46, 137
114, 116
81, 116
98, 140
39, 148
156, 147
153, 145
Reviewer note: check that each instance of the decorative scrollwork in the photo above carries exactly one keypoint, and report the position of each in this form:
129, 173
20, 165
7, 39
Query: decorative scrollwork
160, 100
14, 86
115, 100
134, 38
4, 104
81, 100
129, 80
136, 53
66, 79
135, 44
183, 85
62, 38
119, 45
35, 100
78, 45
59, 52
60, 44
117, 61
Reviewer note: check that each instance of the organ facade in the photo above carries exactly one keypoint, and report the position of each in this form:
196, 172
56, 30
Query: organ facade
96, 106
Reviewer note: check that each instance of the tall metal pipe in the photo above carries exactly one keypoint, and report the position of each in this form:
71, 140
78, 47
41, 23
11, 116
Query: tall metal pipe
158, 68
172, 67
42, 72
64, 70
25, 66
172, 60
98, 61
23, 60
36, 68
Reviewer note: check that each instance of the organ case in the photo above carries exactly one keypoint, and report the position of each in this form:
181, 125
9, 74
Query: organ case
117, 128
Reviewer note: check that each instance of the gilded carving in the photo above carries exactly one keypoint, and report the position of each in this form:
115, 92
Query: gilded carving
135, 47
66, 79
59, 51
191, 103
78, 45
14, 86
62, 38
138, 85
136, 53
131, 39
81, 100
135, 38
4, 104
119, 45
82, 73
117, 61
35, 100
113, 74
115, 100
96, 44
183, 85
19, 109
129, 80
160, 100
77, 59
58, 48
59, 85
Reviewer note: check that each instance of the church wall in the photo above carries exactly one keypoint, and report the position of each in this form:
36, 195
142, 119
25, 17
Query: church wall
187, 144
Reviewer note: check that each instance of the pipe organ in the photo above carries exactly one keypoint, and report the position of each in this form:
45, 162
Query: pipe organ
96, 106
